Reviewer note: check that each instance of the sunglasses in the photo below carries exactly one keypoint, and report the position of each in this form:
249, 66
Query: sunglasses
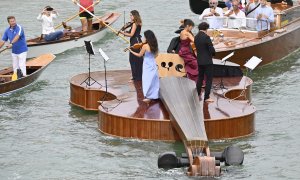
212, 3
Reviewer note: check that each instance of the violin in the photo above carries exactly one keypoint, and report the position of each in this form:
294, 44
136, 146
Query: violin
135, 46
127, 25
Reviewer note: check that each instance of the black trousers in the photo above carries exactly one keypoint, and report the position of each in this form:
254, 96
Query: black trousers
206, 70
136, 63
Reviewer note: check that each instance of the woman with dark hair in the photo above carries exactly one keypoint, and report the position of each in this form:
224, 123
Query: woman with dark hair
150, 75
190, 60
136, 63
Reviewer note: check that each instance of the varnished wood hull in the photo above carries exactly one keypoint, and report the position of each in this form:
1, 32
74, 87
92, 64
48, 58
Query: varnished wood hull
127, 116
270, 51
12, 86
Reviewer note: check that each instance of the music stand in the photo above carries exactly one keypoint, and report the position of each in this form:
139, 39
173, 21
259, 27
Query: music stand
220, 85
105, 58
250, 64
90, 51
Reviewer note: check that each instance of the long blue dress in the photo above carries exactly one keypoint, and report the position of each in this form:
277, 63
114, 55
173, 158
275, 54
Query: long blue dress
150, 78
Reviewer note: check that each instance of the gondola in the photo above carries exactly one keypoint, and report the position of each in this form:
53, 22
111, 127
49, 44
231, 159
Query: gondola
72, 38
34, 68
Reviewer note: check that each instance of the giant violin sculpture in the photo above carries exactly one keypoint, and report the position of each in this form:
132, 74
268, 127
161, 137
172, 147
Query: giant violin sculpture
124, 114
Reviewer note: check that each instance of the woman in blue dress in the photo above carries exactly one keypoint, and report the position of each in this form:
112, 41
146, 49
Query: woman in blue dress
150, 80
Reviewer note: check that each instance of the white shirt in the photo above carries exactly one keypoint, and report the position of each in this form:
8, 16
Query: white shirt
251, 23
236, 20
215, 22
47, 23
264, 24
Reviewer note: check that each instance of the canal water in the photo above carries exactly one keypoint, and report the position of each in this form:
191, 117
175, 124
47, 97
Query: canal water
43, 137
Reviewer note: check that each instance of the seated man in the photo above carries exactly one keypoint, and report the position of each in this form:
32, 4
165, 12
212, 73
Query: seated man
213, 12
250, 9
237, 17
264, 15
46, 17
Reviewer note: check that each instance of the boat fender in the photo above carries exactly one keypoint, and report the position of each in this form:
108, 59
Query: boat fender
233, 156
168, 160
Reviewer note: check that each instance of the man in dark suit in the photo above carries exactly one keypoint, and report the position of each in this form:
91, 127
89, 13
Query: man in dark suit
205, 52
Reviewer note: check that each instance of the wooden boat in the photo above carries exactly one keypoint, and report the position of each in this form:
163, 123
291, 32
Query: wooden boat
178, 115
270, 46
34, 67
123, 114
71, 39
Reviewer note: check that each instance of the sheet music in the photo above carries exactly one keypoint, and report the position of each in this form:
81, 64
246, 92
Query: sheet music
227, 57
105, 57
253, 62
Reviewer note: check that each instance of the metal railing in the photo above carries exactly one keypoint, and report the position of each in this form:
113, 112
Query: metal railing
251, 24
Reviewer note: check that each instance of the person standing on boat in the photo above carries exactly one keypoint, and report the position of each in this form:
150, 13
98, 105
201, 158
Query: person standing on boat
48, 31
86, 18
150, 80
190, 60
250, 9
213, 14
174, 45
264, 16
236, 16
136, 63
16, 36
205, 52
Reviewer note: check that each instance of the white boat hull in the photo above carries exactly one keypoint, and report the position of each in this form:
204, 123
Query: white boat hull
59, 47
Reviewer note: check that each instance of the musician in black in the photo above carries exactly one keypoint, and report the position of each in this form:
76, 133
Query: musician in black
136, 63
205, 52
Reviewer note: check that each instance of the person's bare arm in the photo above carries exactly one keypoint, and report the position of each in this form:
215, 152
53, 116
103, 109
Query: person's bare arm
131, 32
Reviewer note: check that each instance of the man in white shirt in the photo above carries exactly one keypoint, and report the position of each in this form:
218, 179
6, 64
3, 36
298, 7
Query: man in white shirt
264, 15
213, 15
48, 31
250, 9
237, 17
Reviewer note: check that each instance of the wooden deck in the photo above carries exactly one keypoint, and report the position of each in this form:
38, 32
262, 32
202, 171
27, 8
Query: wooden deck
126, 115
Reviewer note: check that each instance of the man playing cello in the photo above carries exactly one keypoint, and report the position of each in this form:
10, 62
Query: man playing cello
86, 18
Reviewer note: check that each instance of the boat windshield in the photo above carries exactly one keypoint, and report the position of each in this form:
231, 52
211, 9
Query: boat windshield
250, 24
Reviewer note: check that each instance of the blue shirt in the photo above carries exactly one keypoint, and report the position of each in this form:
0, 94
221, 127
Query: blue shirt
263, 23
19, 46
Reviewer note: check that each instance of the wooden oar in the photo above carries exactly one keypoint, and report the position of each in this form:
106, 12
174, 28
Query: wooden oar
103, 23
4, 75
71, 18
4, 49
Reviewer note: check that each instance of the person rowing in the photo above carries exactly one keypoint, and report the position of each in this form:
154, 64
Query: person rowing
46, 17
16, 36
86, 18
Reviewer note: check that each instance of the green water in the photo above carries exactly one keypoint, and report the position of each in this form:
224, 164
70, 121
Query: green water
43, 137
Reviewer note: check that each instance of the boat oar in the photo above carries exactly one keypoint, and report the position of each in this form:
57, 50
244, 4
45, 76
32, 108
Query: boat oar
71, 18
103, 23
3, 49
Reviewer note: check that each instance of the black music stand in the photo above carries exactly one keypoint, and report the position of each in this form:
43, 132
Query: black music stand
220, 85
90, 51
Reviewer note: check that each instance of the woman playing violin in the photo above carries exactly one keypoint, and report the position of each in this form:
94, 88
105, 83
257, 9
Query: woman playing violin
136, 63
190, 60
150, 78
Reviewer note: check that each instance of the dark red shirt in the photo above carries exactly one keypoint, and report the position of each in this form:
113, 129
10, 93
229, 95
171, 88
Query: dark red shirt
86, 4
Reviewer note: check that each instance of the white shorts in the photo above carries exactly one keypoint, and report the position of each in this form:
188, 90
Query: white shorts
19, 62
